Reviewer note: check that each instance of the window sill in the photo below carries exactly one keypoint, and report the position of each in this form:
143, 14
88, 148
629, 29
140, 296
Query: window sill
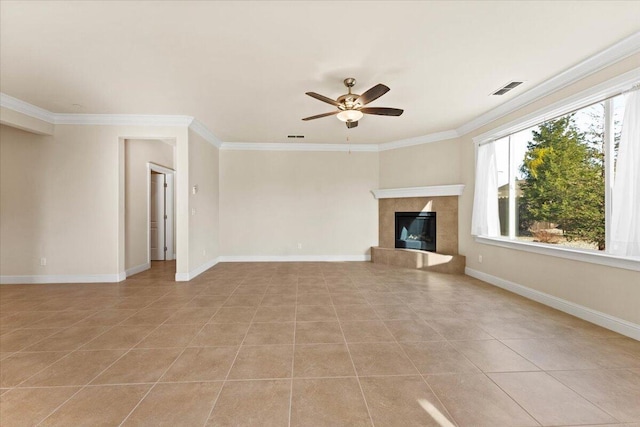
592, 257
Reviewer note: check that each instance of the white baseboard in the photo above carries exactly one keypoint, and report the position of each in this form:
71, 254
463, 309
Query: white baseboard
138, 269
294, 258
615, 324
185, 277
63, 278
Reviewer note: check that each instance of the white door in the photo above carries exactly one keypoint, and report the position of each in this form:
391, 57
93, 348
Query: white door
157, 220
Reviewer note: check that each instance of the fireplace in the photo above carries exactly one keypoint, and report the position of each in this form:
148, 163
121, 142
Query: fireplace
416, 230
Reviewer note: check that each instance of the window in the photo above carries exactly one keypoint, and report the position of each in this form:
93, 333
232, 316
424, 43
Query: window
546, 185
552, 178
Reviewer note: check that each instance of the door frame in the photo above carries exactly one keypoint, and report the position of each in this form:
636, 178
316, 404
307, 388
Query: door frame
169, 209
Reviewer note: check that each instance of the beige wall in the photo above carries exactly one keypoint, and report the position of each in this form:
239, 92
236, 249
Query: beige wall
271, 201
613, 291
204, 225
138, 153
435, 163
59, 200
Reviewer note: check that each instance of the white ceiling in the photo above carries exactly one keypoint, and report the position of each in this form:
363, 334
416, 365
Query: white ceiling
242, 68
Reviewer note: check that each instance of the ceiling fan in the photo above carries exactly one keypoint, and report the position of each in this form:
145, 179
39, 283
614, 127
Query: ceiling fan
351, 106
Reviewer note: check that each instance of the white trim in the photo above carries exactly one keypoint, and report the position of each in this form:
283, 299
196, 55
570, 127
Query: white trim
618, 51
583, 255
197, 126
25, 108
294, 258
432, 191
578, 100
419, 140
185, 277
276, 146
138, 269
63, 278
159, 168
615, 324
122, 120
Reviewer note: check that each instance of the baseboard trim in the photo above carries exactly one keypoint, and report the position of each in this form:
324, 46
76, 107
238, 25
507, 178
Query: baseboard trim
185, 277
607, 321
138, 269
63, 278
294, 258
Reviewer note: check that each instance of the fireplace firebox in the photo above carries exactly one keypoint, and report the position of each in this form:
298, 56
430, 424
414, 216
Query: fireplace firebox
416, 230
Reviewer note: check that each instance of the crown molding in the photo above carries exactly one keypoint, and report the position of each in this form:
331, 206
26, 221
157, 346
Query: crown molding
578, 100
271, 146
122, 120
614, 53
595, 63
197, 126
25, 108
419, 140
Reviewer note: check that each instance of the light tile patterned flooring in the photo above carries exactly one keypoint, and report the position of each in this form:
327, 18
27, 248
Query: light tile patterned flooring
305, 344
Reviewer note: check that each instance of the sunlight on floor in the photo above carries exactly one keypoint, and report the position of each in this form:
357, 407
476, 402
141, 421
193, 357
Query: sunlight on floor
435, 413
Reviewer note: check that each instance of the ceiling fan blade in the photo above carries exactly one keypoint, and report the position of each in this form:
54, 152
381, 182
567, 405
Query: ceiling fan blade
382, 111
333, 113
351, 124
323, 98
372, 94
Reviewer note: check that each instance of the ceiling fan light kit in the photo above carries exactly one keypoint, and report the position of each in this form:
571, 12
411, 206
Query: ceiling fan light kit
351, 106
350, 115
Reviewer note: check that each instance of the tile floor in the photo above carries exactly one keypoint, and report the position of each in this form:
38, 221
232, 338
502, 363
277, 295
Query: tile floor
305, 344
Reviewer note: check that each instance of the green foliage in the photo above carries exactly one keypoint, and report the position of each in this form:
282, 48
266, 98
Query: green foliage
564, 182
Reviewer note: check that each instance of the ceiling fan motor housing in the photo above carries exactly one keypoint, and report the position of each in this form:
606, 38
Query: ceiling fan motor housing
348, 101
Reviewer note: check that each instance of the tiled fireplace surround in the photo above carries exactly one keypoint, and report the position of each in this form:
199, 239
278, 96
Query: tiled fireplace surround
446, 260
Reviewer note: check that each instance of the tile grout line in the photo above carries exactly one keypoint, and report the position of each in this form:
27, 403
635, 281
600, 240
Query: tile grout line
229, 380
79, 348
176, 359
581, 395
416, 368
366, 404
110, 365
293, 357
513, 399
234, 359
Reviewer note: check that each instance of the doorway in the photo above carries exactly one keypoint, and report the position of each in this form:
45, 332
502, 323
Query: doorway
160, 214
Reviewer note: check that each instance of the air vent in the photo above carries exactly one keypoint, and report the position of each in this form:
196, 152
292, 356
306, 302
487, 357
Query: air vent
506, 88
295, 136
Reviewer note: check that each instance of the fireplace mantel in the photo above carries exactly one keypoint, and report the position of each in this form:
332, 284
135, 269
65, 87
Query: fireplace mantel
432, 191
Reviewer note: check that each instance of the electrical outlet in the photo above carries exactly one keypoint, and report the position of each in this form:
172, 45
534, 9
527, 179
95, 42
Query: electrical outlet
193, 211
480, 259
299, 245
43, 261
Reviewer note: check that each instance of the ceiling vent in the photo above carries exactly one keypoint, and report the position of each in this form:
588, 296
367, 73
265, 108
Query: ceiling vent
506, 88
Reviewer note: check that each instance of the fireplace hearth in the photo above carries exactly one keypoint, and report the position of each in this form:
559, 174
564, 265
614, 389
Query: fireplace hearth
416, 230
